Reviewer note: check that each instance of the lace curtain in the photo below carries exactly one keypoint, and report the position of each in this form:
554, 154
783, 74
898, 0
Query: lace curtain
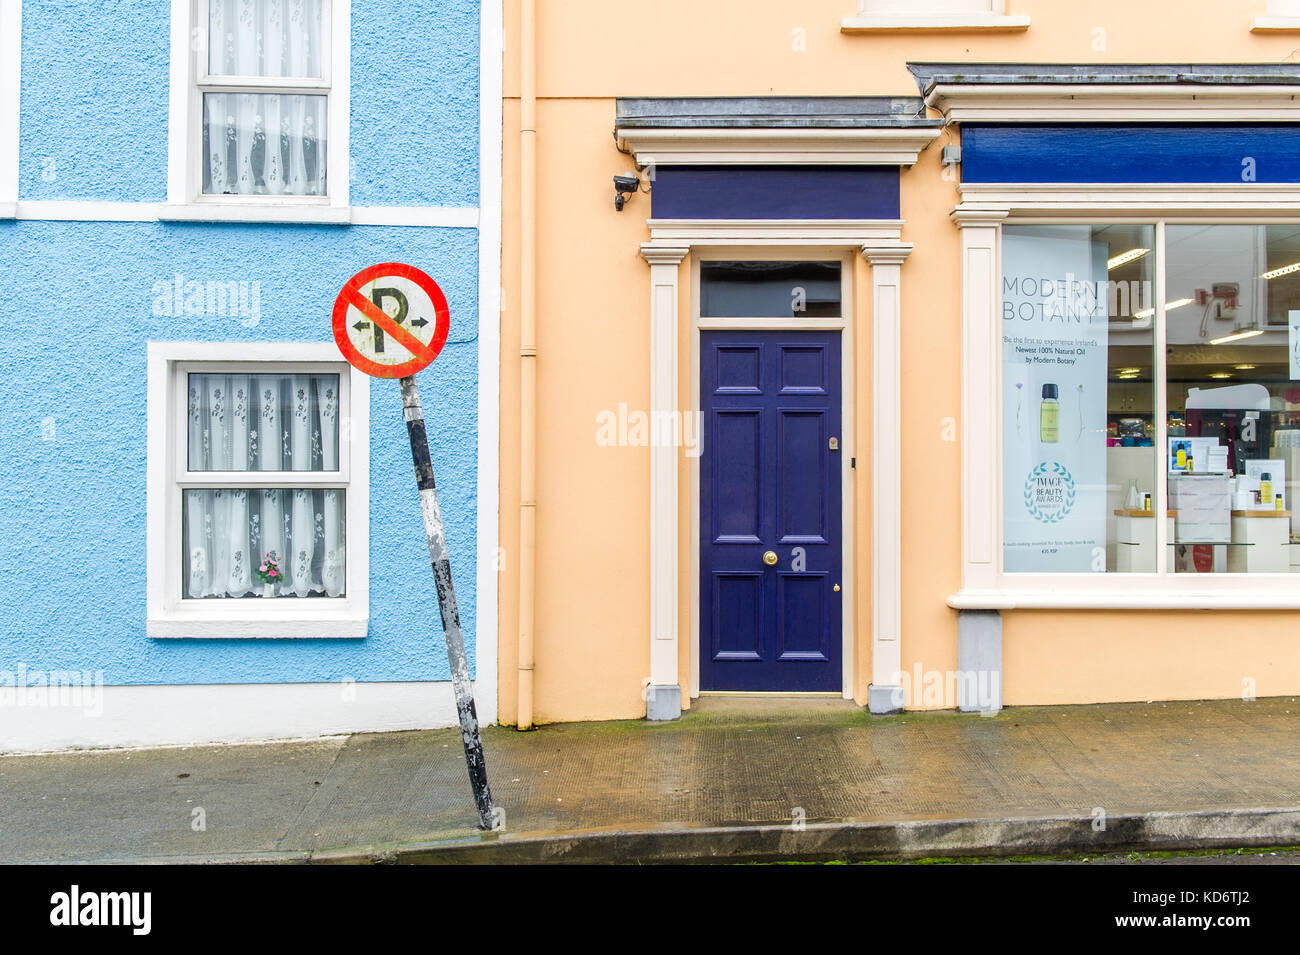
264, 143
263, 423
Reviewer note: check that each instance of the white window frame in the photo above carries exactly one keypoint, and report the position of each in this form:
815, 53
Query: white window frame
935, 16
190, 80
11, 49
171, 615
1280, 16
981, 217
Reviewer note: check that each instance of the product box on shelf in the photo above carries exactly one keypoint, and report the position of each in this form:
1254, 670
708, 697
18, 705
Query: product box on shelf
1203, 503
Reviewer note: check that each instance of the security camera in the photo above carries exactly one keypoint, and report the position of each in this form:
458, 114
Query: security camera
624, 186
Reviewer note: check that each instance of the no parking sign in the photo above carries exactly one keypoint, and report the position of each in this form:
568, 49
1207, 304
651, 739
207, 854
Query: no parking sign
390, 321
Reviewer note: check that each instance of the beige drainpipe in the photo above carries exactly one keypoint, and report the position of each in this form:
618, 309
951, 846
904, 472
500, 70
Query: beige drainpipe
527, 356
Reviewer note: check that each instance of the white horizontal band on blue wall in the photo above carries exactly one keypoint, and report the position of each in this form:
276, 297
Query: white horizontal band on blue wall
75, 210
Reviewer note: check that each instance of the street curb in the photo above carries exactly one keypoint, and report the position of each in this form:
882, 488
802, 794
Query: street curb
821, 842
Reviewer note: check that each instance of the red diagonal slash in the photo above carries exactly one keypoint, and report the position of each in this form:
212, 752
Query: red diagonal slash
381, 318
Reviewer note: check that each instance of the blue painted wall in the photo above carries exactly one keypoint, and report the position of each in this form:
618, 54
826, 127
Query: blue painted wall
95, 94
775, 192
94, 100
72, 509
1130, 152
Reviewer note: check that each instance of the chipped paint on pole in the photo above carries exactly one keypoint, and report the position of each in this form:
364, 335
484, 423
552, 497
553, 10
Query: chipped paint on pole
438, 556
391, 320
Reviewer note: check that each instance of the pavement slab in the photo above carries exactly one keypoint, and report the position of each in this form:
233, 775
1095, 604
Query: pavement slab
726, 781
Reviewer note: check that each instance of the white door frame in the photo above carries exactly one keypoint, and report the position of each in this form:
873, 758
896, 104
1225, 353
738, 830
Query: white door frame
879, 242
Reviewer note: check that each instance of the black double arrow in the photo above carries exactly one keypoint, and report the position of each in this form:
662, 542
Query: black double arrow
377, 296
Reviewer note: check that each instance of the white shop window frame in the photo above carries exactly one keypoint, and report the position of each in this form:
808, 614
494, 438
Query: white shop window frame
190, 80
984, 584
172, 616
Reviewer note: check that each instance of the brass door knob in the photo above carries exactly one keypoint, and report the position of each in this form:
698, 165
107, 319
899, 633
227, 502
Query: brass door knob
769, 558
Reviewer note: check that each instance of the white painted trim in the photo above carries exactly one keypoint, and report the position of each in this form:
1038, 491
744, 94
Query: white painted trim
981, 502
169, 616
11, 73
1081, 103
881, 145
209, 209
1151, 599
664, 267
188, 79
338, 175
1274, 24
939, 23
1149, 200
138, 716
178, 102
447, 217
488, 219
886, 455
719, 240
784, 232
76, 210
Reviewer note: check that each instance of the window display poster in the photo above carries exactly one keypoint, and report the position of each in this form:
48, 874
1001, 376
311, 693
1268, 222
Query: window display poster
1055, 307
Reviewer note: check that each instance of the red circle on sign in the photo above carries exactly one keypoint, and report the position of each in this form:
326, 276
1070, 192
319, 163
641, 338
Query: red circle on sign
351, 298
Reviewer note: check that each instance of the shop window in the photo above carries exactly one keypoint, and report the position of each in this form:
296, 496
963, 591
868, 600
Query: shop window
770, 289
1121, 409
258, 490
1233, 384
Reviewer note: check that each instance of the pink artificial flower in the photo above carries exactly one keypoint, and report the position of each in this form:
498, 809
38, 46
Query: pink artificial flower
272, 573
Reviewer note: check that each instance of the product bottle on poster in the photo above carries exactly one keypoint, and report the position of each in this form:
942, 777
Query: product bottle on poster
1266, 489
1049, 416
1277, 499
1146, 501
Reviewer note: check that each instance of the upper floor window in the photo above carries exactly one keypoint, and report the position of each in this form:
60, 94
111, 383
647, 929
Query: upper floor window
259, 107
264, 96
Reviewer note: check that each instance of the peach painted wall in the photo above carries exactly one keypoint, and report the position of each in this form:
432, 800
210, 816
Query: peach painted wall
592, 614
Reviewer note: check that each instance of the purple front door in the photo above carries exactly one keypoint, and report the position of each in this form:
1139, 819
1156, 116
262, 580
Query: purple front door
770, 511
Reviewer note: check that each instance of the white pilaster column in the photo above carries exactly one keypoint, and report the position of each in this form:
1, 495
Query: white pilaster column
664, 695
885, 694
980, 388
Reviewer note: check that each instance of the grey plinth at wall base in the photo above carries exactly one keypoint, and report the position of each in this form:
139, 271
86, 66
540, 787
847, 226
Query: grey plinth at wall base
979, 661
663, 702
883, 698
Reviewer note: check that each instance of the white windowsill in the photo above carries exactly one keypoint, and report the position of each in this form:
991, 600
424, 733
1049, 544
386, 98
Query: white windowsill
271, 211
8, 210
952, 23
267, 623
1103, 600
1274, 24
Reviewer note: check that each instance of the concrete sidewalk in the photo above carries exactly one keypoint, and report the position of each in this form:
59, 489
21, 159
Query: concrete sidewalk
727, 781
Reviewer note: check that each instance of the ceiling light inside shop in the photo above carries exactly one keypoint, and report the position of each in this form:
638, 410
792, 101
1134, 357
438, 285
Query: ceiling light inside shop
1125, 257
1284, 270
1169, 307
1244, 367
1220, 375
1127, 371
1237, 336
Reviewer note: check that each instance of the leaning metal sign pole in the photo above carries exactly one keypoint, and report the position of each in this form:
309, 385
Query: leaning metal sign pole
380, 344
